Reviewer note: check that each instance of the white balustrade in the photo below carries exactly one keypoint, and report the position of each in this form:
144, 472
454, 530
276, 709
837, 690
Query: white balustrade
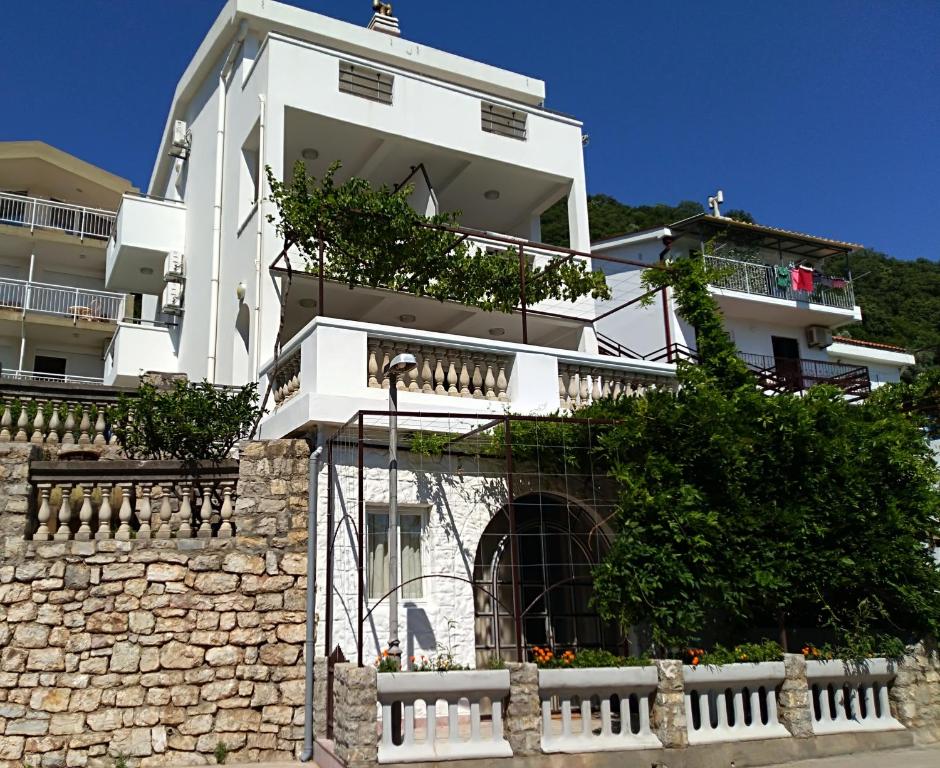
598, 709
580, 385
53, 421
463, 732
441, 370
848, 696
733, 702
287, 379
83, 509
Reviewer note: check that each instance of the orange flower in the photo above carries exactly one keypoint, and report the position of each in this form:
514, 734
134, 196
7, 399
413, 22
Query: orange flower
695, 661
385, 654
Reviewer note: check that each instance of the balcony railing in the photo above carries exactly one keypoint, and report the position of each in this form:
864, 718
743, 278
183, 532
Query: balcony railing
60, 300
761, 280
786, 375
35, 213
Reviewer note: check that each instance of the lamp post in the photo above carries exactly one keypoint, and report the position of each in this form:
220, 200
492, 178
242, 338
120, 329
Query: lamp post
398, 367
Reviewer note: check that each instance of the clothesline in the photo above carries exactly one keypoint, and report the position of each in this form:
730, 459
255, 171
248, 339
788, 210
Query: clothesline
805, 279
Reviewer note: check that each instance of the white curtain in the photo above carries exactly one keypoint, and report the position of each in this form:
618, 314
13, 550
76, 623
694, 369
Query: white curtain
377, 565
410, 535
409, 539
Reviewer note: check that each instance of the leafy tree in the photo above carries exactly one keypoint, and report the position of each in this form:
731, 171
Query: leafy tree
189, 422
374, 238
738, 509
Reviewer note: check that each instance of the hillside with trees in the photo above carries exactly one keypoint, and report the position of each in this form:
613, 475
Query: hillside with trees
900, 300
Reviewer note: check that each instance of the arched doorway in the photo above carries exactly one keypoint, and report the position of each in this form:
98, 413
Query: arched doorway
559, 544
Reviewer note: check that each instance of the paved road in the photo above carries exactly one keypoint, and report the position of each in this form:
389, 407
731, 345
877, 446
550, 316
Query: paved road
915, 757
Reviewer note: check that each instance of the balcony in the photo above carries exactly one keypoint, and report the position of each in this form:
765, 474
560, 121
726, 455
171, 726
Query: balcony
75, 304
34, 213
741, 287
146, 230
797, 375
333, 368
137, 348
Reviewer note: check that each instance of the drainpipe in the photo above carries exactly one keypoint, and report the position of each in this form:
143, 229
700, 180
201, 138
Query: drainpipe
217, 205
309, 644
256, 320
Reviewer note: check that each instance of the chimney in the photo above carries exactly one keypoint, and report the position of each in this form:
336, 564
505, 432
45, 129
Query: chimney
383, 21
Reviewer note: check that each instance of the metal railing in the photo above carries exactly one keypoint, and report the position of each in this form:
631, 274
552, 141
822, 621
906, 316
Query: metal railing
796, 375
76, 303
761, 280
36, 213
59, 378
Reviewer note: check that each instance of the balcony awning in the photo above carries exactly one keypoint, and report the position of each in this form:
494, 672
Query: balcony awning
796, 244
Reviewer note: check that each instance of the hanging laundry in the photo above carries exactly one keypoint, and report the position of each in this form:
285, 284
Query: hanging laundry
824, 281
782, 276
802, 279
838, 282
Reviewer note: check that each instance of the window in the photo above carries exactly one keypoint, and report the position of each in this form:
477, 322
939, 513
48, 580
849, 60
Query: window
249, 176
410, 525
365, 82
49, 364
504, 121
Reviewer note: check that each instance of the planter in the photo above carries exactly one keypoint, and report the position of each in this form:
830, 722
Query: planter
771, 672
444, 685
597, 678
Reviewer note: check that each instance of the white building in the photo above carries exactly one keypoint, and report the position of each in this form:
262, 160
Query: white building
785, 330
271, 85
56, 213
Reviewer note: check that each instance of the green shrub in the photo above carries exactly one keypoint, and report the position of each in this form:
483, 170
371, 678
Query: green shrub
189, 422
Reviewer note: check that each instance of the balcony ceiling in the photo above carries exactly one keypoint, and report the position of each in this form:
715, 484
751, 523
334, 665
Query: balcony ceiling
460, 180
45, 171
57, 250
386, 308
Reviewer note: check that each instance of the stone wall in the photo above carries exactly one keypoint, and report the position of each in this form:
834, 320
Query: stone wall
915, 695
158, 650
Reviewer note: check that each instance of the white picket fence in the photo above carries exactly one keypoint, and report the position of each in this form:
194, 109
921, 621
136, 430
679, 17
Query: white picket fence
600, 709
847, 697
463, 733
733, 702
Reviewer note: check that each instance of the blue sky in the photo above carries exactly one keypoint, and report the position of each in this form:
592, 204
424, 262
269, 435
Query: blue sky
818, 116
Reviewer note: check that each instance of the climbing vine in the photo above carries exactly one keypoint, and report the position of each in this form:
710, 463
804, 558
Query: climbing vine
374, 238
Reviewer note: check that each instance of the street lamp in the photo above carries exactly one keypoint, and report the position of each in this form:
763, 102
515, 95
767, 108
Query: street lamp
398, 367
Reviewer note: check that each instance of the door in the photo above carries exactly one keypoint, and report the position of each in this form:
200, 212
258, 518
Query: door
787, 362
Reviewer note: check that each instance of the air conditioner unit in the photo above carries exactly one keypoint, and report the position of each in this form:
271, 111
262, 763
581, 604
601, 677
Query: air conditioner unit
173, 299
173, 267
818, 336
182, 140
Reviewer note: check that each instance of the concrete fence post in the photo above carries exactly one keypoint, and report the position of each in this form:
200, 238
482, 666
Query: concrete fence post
668, 716
794, 707
523, 720
355, 693
320, 672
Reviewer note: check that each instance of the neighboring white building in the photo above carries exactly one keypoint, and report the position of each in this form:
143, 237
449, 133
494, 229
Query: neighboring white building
785, 329
56, 213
